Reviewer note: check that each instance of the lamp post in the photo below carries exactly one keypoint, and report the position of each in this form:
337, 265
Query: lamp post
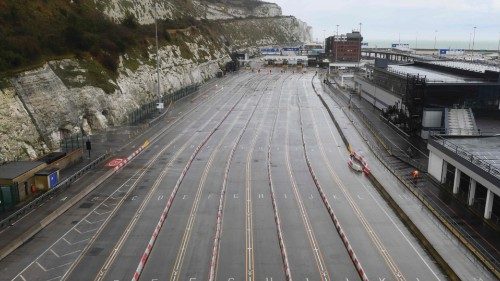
435, 38
498, 48
157, 58
360, 42
416, 42
473, 41
335, 41
324, 38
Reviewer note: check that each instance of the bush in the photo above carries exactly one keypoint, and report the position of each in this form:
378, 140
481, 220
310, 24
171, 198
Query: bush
130, 21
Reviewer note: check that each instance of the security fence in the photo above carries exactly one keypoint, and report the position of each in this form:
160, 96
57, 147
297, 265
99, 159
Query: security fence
72, 142
149, 109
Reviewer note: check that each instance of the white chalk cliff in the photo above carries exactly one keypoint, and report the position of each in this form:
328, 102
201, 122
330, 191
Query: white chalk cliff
39, 106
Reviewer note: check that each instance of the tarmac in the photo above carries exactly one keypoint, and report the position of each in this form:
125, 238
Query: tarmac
228, 189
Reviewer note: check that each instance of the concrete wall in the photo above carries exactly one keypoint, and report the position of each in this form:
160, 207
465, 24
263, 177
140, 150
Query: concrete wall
375, 95
68, 160
435, 168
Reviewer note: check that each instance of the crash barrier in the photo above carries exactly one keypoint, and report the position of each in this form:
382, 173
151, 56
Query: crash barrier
400, 212
149, 108
336, 222
355, 157
455, 228
70, 203
220, 210
414, 229
62, 186
164, 214
330, 113
279, 229
381, 139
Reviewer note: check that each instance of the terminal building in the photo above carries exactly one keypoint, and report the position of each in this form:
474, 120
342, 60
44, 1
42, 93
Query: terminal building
431, 97
470, 168
345, 47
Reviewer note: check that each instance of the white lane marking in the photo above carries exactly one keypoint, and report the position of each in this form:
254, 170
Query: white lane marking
400, 231
160, 197
55, 278
55, 254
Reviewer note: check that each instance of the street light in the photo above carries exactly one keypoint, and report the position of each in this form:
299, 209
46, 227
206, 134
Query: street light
498, 48
335, 41
435, 38
157, 58
473, 41
324, 38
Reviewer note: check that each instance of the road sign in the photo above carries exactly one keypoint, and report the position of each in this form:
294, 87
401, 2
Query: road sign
115, 162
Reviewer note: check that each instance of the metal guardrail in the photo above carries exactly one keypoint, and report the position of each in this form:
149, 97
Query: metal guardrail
487, 260
149, 108
50, 194
391, 149
470, 157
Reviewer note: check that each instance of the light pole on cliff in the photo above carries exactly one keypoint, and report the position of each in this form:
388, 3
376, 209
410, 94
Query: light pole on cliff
160, 104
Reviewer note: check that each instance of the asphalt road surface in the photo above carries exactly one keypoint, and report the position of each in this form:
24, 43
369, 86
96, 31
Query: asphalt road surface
228, 195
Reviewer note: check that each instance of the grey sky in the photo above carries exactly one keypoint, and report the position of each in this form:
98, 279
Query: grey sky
386, 19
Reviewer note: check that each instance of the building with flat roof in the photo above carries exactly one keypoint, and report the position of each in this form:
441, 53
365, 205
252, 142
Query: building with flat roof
411, 89
345, 47
470, 167
17, 180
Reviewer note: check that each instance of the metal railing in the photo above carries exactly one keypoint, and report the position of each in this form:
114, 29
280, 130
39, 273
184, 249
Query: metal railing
72, 142
49, 194
446, 223
470, 157
148, 109
388, 145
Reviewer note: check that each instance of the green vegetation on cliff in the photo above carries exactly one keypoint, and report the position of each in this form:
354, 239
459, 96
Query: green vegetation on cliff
34, 31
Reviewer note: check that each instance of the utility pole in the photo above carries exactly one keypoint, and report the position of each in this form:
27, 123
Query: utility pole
498, 48
435, 38
473, 41
360, 44
324, 38
160, 105
335, 41
470, 40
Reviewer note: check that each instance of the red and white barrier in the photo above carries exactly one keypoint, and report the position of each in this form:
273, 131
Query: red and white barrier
358, 158
281, 241
218, 229
131, 156
334, 218
165, 211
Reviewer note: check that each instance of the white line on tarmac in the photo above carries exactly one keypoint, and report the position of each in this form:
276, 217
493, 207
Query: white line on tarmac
400, 231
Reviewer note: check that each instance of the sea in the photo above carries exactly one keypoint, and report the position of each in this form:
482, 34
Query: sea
440, 44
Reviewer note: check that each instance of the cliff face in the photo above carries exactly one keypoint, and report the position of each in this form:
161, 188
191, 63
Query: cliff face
68, 96
247, 33
144, 10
